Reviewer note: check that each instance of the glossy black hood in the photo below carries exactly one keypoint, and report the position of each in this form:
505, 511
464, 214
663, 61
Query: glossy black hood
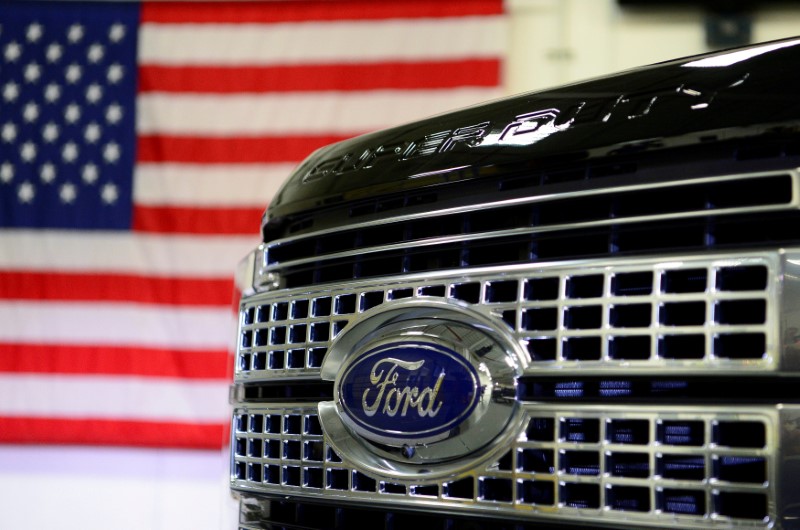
737, 93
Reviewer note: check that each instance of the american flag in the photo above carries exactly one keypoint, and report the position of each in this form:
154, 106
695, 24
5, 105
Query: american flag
139, 145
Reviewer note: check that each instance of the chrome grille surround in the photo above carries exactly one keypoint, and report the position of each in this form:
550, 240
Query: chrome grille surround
547, 241
687, 466
678, 314
631, 465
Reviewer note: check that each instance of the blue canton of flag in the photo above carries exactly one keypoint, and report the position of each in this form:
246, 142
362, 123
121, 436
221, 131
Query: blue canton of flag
67, 115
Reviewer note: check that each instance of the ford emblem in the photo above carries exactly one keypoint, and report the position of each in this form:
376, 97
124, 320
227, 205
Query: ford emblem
408, 391
421, 389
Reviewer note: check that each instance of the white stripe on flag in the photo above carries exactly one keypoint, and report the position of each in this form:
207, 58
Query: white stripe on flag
122, 398
208, 184
153, 255
322, 42
116, 324
152, 487
297, 113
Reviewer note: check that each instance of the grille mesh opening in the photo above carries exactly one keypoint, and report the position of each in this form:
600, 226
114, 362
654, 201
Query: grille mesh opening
741, 469
632, 284
682, 347
580, 462
628, 432
740, 345
292, 475
681, 433
314, 451
292, 424
276, 360
541, 289
742, 279
585, 286
630, 316
636, 465
314, 478
371, 299
536, 460
496, 489
683, 313
629, 348
254, 447
322, 306
740, 434
505, 462
577, 495
543, 319
362, 482
460, 489
396, 489
684, 281
467, 292
338, 479
740, 312
687, 502
584, 317
345, 304
682, 467
272, 449
399, 294
541, 429
629, 498
537, 492
741, 505
580, 430
433, 290
425, 491
582, 348
503, 291
542, 349
299, 309
291, 450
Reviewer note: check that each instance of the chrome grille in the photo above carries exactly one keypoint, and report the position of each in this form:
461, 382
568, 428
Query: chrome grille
702, 213
669, 464
678, 314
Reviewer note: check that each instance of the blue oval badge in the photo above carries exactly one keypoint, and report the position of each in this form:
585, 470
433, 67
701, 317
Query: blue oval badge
409, 390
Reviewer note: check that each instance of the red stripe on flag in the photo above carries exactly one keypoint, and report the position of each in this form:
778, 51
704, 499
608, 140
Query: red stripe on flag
291, 11
397, 75
112, 360
26, 285
182, 220
58, 431
221, 150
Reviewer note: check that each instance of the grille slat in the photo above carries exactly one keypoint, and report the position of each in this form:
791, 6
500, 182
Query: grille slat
698, 311
600, 222
615, 460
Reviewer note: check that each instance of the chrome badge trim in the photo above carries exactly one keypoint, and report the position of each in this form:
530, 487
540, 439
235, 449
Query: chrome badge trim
393, 415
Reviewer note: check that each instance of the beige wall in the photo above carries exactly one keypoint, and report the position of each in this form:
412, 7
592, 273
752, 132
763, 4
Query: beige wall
560, 41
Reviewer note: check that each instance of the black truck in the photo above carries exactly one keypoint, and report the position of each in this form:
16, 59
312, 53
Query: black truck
575, 307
